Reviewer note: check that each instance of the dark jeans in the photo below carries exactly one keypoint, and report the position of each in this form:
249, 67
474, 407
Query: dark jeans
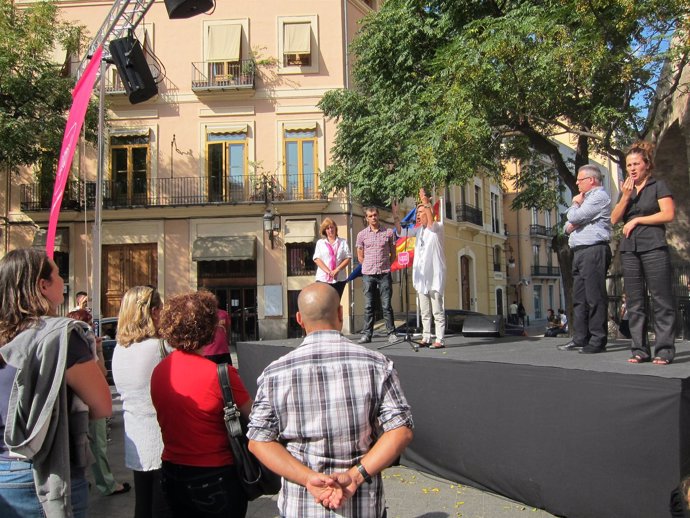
651, 271
149, 501
203, 492
384, 284
590, 299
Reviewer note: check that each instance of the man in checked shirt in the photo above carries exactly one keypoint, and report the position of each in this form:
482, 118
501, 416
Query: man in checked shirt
329, 417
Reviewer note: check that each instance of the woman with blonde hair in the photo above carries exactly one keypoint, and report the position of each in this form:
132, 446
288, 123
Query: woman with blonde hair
645, 206
138, 351
199, 478
332, 255
49, 387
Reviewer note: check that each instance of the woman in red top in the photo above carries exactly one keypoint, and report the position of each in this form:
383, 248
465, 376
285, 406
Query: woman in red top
198, 475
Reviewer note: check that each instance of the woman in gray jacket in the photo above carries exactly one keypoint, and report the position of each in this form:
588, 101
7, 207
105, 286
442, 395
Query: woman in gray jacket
49, 386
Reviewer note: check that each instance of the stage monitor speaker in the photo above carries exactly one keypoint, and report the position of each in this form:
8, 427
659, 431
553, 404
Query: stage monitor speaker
484, 325
178, 9
133, 69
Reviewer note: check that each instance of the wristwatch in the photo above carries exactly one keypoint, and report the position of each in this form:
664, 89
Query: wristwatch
365, 474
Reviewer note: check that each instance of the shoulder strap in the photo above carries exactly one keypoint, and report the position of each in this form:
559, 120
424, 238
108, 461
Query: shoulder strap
231, 414
224, 380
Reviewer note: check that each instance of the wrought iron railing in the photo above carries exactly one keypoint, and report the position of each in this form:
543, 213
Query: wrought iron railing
541, 230
546, 271
469, 213
168, 192
207, 75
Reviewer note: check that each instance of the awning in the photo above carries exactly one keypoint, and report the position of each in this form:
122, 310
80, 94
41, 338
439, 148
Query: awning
224, 42
300, 231
297, 38
61, 240
228, 248
300, 126
130, 132
230, 129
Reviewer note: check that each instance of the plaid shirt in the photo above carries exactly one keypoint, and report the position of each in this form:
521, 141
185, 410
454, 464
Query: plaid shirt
327, 402
379, 247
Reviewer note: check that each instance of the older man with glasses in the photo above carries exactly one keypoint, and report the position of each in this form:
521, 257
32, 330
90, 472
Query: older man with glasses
589, 230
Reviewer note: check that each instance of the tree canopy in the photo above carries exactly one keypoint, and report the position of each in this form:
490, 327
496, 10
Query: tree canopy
444, 89
35, 92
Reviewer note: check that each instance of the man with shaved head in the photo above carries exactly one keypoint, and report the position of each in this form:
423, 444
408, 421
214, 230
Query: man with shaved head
329, 417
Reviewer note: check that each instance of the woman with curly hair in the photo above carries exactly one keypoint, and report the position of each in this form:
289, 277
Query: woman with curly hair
49, 387
198, 473
645, 206
138, 351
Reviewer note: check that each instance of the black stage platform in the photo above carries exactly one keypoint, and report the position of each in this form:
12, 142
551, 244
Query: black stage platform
582, 436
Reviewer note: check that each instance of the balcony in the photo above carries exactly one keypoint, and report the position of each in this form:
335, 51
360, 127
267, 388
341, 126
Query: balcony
207, 77
542, 231
546, 271
469, 214
171, 192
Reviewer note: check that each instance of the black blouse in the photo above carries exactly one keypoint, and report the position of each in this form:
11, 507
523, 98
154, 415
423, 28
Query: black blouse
644, 203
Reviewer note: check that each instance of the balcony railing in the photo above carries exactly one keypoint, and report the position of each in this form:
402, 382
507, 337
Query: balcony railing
235, 75
469, 213
541, 230
170, 192
546, 271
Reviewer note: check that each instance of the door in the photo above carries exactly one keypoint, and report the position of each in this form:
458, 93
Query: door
126, 266
465, 283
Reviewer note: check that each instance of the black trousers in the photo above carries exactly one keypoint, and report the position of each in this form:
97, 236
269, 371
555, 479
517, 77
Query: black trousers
149, 501
590, 299
651, 271
203, 492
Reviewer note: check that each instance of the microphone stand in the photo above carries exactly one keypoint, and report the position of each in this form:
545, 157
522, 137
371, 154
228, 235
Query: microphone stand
408, 335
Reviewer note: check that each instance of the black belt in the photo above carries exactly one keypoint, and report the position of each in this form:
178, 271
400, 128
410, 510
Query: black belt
582, 247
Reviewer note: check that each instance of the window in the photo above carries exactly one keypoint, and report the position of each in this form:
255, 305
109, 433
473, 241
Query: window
300, 154
535, 217
223, 52
495, 222
497, 258
298, 44
449, 204
547, 220
535, 255
477, 196
300, 259
549, 256
226, 151
129, 169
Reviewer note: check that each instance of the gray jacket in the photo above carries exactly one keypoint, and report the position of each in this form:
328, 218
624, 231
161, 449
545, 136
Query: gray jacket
41, 427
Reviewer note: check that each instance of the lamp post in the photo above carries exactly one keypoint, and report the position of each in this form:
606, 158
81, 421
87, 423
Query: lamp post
271, 223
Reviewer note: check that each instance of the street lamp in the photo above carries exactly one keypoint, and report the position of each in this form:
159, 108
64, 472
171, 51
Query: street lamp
271, 221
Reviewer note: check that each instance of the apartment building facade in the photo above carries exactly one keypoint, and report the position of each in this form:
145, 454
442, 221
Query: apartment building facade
215, 182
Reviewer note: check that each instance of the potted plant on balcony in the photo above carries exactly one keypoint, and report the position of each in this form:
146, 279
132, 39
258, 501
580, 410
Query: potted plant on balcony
247, 72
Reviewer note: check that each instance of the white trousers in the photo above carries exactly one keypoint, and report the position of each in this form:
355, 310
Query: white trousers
428, 304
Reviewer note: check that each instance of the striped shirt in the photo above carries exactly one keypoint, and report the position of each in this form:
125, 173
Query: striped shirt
592, 219
327, 402
379, 250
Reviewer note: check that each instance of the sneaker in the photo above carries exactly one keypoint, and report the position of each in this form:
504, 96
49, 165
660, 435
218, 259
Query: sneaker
438, 344
392, 338
364, 340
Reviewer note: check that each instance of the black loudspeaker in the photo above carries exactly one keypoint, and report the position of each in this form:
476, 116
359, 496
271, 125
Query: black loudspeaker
133, 69
186, 8
484, 325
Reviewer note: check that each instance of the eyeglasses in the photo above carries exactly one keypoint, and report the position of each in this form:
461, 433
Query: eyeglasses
583, 178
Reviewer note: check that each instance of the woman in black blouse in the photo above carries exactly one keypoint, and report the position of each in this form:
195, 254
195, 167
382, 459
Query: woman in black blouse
645, 205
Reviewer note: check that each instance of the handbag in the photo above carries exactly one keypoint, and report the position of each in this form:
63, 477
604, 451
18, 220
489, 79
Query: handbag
255, 478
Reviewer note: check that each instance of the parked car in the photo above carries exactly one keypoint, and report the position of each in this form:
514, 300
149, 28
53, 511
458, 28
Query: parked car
108, 330
455, 319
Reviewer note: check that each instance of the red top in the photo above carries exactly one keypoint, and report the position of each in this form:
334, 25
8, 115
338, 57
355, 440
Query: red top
220, 338
189, 404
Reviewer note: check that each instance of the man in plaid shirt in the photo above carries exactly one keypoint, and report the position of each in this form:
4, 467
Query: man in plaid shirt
376, 252
329, 417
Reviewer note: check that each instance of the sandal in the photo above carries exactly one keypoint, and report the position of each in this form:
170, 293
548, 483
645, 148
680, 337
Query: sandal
661, 361
124, 489
636, 358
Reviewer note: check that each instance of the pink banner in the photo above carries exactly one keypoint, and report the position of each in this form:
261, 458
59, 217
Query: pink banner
75, 120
